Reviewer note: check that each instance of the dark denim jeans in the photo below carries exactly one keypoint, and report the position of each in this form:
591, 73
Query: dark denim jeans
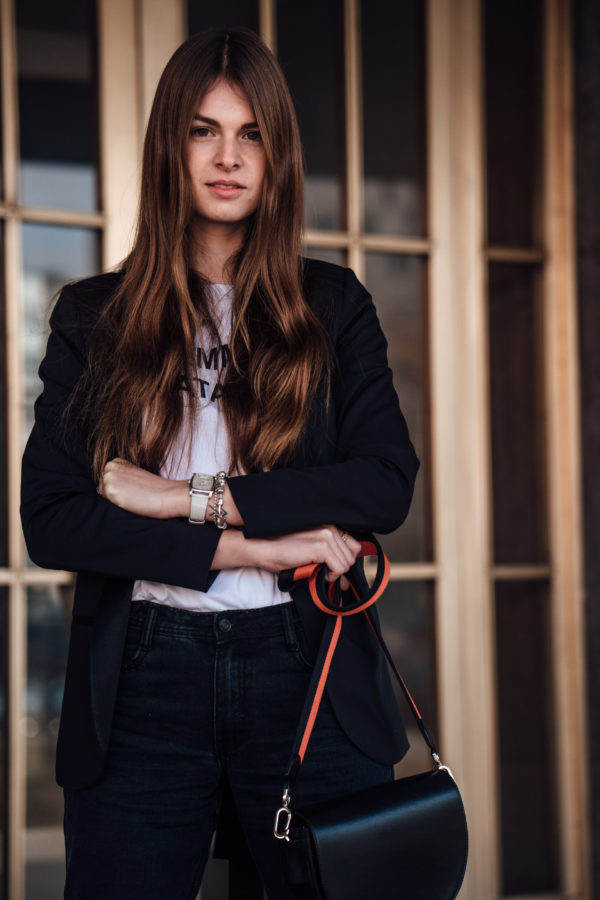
203, 699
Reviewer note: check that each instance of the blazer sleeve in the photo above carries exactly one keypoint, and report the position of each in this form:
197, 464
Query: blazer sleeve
369, 484
66, 524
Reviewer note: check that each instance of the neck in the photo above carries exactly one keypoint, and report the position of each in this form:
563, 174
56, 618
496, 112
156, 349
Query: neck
212, 245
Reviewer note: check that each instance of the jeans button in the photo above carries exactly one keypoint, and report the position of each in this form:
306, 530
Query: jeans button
225, 625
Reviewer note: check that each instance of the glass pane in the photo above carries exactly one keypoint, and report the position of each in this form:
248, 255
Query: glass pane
52, 255
48, 616
393, 66
58, 110
329, 254
3, 433
3, 735
517, 415
398, 285
310, 47
407, 613
224, 14
530, 858
513, 101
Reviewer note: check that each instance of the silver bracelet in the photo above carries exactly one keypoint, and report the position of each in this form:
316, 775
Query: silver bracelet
220, 514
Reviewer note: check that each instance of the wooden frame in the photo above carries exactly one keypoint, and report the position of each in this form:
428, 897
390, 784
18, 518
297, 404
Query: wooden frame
460, 413
16, 612
564, 453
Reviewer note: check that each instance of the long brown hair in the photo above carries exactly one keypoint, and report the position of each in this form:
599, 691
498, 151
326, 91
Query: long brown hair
278, 350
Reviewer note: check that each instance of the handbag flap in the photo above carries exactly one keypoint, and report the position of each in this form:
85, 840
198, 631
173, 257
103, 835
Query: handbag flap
403, 839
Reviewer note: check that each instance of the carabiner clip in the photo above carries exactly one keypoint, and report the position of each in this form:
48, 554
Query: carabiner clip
283, 818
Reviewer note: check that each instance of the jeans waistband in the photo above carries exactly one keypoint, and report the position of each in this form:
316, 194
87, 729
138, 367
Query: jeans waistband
234, 623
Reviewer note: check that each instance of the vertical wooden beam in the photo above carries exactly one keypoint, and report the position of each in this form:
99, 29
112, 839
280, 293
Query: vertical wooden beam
14, 823
354, 141
161, 30
459, 415
16, 756
119, 125
10, 145
267, 23
564, 452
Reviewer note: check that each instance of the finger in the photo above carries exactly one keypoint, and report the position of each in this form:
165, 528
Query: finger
115, 463
342, 557
350, 550
337, 555
351, 543
337, 563
333, 549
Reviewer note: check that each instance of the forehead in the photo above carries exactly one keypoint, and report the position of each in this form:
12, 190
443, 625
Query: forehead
225, 100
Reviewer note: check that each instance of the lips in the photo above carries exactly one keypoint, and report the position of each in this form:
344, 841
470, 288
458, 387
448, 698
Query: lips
226, 185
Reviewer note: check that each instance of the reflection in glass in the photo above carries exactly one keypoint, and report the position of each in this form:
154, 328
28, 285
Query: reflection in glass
52, 255
393, 66
310, 48
407, 613
57, 86
530, 858
517, 415
225, 14
398, 286
48, 617
513, 102
329, 254
3, 432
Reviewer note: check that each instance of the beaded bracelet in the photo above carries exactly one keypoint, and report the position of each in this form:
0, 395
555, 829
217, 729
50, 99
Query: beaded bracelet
220, 514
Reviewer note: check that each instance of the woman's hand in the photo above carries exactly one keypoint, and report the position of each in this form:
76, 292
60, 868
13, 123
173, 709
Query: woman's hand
139, 491
338, 550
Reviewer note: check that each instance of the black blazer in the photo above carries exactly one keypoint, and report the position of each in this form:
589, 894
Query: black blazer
355, 467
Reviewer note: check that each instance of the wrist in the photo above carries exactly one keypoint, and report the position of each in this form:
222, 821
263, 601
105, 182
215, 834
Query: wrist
176, 500
235, 551
261, 554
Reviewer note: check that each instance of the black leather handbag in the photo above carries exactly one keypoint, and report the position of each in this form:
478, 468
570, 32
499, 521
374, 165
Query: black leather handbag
403, 840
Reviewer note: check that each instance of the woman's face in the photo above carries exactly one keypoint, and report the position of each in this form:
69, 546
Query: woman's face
225, 158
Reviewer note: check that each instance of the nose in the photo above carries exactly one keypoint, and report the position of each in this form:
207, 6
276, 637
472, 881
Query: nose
227, 154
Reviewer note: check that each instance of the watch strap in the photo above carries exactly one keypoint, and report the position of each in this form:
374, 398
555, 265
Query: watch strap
201, 490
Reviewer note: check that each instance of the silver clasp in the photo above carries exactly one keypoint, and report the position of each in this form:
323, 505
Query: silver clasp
441, 767
283, 818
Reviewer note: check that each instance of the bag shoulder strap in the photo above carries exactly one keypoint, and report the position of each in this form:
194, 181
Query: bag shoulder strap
338, 605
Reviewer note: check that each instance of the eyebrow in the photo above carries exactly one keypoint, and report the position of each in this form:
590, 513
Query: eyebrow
199, 118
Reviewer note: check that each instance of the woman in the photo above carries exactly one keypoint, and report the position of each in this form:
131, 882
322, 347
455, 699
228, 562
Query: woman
215, 349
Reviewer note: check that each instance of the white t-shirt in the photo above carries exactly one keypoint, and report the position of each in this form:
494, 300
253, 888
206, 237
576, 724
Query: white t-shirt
208, 451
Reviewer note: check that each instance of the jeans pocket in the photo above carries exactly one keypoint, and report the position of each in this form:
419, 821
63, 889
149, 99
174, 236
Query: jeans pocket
301, 647
133, 655
138, 642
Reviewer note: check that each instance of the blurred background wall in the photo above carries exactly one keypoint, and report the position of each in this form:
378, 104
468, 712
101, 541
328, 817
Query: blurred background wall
451, 154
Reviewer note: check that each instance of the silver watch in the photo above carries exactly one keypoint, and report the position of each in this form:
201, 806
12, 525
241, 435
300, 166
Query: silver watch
201, 490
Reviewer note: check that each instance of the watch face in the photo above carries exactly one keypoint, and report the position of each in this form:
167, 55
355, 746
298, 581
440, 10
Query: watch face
202, 482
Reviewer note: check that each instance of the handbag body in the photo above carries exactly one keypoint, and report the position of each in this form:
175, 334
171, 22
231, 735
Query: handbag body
401, 840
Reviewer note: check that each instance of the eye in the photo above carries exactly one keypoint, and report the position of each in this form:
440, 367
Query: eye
253, 135
200, 131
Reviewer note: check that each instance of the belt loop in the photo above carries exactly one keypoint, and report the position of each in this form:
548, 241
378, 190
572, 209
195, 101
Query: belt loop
287, 620
148, 629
